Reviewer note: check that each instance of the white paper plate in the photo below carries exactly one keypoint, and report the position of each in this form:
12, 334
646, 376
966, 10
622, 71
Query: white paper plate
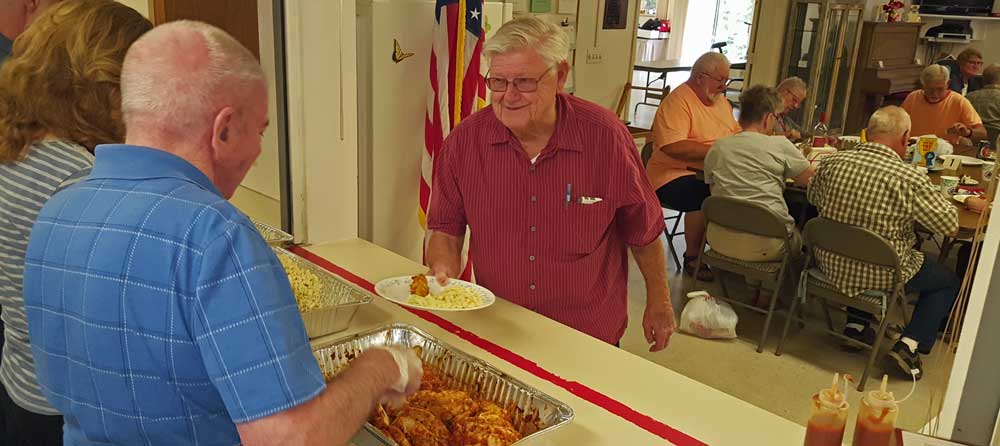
966, 160
397, 289
960, 198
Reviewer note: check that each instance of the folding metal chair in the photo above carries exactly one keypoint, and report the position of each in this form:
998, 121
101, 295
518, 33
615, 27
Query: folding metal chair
670, 231
860, 245
752, 218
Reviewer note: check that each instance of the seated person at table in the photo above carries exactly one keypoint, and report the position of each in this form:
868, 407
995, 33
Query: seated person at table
964, 77
936, 110
688, 122
842, 189
752, 165
986, 101
792, 92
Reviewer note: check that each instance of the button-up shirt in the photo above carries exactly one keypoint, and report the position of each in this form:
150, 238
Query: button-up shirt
157, 313
550, 235
871, 187
987, 103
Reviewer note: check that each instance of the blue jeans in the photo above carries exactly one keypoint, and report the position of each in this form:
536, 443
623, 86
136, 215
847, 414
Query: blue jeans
938, 288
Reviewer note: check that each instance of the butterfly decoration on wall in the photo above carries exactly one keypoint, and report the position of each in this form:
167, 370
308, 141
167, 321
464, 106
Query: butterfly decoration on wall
397, 53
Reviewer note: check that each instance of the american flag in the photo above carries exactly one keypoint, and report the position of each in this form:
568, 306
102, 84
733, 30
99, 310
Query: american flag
457, 87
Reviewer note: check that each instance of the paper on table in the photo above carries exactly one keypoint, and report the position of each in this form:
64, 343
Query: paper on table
912, 439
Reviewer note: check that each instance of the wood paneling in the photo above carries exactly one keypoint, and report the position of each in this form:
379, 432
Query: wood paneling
237, 17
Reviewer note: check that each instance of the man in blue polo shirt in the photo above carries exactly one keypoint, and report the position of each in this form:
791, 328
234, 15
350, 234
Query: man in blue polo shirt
157, 314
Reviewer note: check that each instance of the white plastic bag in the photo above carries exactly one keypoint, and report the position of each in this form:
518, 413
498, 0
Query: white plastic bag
709, 318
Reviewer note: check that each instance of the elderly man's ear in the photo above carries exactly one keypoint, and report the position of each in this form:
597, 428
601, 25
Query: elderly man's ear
562, 74
222, 127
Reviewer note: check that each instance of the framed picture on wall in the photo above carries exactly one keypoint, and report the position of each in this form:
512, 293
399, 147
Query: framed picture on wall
615, 14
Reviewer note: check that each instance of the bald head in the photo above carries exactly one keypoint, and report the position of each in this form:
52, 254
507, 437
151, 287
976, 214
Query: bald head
16, 15
190, 89
180, 73
710, 62
890, 126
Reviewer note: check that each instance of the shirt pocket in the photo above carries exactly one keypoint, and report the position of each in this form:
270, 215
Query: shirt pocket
587, 226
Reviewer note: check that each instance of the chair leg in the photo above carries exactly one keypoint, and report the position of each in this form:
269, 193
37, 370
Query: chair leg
788, 322
770, 308
875, 348
673, 251
826, 312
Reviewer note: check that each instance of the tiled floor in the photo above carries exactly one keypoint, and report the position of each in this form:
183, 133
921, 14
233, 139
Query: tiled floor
780, 384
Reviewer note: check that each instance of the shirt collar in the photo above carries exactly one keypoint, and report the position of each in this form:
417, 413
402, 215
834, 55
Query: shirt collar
6, 46
128, 162
879, 149
566, 136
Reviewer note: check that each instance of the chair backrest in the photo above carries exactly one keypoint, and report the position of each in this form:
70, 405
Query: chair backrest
744, 216
850, 241
647, 152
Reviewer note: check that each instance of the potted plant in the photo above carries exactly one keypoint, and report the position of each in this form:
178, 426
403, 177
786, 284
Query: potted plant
891, 9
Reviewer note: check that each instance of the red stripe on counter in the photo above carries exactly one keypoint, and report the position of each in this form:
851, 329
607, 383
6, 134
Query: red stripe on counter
607, 403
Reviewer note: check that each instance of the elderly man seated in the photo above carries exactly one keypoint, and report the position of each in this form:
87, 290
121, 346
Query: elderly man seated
986, 101
792, 92
843, 190
753, 165
688, 122
965, 72
936, 110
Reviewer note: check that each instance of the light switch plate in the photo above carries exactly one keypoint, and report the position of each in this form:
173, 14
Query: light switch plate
594, 55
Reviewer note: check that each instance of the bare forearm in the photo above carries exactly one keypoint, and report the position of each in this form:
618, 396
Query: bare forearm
444, 251
652, 263
978, 133
348, 400
686, 150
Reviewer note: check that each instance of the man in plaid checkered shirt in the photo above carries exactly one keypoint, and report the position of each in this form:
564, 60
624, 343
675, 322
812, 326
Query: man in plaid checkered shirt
873, 188
157, 313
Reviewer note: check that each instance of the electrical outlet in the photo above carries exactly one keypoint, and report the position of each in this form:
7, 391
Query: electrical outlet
594, 55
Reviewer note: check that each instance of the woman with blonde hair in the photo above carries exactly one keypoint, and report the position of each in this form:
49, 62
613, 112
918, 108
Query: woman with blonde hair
59, 97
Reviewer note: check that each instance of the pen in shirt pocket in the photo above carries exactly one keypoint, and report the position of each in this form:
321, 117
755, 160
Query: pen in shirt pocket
569, 194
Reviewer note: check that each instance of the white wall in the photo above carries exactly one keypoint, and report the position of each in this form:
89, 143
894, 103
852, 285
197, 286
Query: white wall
323, 139
769, 32
264, 176
603, 82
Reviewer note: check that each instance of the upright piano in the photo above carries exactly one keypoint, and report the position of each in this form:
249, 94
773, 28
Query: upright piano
887, 70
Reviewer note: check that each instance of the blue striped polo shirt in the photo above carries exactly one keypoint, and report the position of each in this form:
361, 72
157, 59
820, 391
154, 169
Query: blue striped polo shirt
157, 313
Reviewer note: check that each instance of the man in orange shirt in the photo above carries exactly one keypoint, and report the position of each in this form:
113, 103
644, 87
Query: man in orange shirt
687, 123
936, 110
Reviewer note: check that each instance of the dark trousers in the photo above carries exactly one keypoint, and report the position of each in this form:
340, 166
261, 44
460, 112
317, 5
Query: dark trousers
19, 427
938, 288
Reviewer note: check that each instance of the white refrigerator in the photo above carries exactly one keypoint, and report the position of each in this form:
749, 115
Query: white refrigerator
392, 104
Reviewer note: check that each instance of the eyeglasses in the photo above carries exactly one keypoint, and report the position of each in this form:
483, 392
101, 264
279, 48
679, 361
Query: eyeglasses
722, 80
522, 84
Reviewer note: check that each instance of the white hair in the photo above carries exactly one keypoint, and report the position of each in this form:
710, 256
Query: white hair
890, 121
934, 73
791, 84
548, 39
709, 62
179, 74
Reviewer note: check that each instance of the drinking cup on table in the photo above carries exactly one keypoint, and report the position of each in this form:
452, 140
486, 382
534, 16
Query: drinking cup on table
948, 185
988, 168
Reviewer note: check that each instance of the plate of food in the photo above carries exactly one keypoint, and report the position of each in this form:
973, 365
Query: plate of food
425, 293
966, 160
961, 198
968, 181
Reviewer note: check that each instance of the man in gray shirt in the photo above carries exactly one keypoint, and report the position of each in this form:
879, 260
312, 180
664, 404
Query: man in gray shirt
753, 165
986, 101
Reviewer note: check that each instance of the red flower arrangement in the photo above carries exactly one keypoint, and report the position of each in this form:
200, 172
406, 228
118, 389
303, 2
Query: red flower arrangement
892, 10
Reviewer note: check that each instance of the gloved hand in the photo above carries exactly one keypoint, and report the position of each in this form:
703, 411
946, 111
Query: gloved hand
411, 372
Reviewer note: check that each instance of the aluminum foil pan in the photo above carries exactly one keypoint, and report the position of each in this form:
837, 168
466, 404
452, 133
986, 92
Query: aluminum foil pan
273, 236
535, 413
341, 299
